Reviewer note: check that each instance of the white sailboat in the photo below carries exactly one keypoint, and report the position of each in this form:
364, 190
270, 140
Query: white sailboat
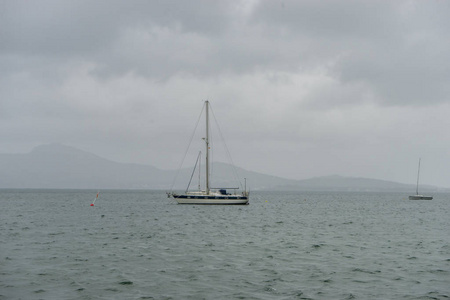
210, 195
417, 196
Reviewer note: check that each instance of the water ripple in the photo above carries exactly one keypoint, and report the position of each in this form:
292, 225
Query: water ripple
137, 245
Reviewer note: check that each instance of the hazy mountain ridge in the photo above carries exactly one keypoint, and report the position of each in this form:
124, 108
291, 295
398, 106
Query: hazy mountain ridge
59, 166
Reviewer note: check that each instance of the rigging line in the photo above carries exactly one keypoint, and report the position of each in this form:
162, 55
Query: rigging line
226, 148
193, 171
187, 149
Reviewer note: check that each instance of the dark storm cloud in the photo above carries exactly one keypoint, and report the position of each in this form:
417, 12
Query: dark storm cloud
394, 49
391, 53
77, 27
327, 19
85, 31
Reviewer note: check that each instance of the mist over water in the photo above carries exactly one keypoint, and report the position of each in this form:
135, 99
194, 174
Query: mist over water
141, 245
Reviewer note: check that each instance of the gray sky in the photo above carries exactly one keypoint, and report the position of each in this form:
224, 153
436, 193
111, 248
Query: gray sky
299, 88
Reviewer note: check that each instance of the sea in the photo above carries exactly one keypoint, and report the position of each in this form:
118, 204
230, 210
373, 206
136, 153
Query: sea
137, 244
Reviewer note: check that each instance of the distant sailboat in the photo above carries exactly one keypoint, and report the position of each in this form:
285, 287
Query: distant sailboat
417, 196
210, 195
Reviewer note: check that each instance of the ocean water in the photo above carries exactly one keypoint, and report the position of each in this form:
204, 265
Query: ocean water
141, 245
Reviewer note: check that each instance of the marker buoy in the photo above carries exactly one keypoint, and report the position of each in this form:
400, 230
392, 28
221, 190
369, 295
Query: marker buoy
92, 204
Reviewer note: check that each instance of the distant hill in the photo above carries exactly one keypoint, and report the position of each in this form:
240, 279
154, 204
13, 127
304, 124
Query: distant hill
341, 183
60, 166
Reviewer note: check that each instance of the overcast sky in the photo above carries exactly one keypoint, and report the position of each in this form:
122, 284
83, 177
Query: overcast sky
300, 88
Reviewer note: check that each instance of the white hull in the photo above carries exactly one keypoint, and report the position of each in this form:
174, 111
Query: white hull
212, 201
212, 198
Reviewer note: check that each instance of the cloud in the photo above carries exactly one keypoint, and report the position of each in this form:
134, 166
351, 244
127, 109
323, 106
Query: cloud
394, 49
322, 83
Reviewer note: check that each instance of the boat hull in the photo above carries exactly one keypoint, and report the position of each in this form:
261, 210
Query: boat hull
420, 197
211, 200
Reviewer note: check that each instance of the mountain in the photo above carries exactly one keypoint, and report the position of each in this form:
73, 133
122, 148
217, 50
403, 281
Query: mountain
60, 166
341, 183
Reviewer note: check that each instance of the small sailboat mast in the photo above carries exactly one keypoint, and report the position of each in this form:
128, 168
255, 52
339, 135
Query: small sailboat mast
417, 185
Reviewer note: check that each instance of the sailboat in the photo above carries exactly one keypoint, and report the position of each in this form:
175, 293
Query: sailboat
218, 196
417, 196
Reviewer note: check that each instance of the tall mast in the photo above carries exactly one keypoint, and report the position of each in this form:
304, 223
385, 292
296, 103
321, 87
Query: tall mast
417, 185
207, 146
